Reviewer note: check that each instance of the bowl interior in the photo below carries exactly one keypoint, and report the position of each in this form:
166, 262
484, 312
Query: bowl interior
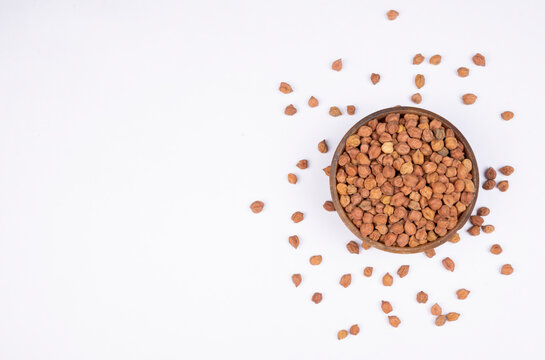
380, 115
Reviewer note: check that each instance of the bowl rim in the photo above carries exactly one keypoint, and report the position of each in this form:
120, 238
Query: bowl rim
381, 114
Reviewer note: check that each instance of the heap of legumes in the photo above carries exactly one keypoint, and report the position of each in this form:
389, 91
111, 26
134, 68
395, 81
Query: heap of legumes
404, 180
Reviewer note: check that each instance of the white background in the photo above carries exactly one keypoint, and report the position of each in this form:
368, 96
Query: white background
134, 135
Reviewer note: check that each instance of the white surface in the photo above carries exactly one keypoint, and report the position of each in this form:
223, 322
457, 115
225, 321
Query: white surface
134, 135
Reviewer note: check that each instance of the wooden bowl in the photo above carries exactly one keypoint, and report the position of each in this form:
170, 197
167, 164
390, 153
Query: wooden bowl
380, 115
